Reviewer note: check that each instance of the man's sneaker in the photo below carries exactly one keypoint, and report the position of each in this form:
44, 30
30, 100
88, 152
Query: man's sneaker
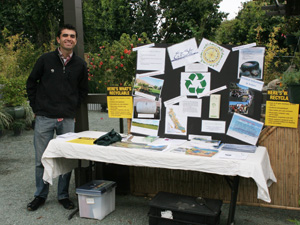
36, 203
67, 203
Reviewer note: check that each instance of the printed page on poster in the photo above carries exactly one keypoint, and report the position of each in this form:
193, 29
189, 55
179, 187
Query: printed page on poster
244, 128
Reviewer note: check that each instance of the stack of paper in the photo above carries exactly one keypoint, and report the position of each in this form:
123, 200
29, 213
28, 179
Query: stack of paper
239, 148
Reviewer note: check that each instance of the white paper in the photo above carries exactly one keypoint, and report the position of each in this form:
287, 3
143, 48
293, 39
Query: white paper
193, 84
213, 126
232, 155
175, 100
196, 67
171, 142
151, 59
149, 74
252, 83
212, 54
191, 107
143, 46
67, 136
212, 91
243, 47
184, 53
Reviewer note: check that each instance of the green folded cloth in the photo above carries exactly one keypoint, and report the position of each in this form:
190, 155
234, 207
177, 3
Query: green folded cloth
108, 138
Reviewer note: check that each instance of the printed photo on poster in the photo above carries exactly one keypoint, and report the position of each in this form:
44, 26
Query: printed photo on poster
244, 129
240, 99
148, 87
145, 126
176, 123
144, 108
251, 62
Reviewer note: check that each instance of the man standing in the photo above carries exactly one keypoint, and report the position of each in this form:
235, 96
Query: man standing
56, 87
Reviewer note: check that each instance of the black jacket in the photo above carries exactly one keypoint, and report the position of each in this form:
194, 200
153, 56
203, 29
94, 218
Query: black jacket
55, 90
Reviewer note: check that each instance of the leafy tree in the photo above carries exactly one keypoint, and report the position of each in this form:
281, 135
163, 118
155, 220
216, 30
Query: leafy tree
145, 17
181, 20
38, 20
242, 29
105, 20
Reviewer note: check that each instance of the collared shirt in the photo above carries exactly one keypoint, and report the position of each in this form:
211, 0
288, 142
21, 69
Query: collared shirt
65, 60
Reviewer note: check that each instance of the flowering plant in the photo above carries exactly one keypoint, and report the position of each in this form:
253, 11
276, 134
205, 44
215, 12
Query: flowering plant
114, 64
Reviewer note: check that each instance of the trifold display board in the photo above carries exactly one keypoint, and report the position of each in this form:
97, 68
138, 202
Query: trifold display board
232, 99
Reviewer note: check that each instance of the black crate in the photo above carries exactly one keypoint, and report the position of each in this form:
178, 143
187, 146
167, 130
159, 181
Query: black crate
187, 210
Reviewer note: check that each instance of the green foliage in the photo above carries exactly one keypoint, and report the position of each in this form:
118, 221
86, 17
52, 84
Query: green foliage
181, 20
243, 29
290, 77
114, 64
297, 222
37, 19
18, 124
274, 65
105, 20
17, 57
5, 118
13, 91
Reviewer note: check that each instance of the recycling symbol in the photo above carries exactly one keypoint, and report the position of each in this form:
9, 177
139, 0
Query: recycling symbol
195, 83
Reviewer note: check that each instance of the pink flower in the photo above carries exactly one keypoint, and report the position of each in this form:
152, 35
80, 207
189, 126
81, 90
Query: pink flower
112, 57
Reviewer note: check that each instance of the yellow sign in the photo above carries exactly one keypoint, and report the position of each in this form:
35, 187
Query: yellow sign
119, 102
83, 140
279, 112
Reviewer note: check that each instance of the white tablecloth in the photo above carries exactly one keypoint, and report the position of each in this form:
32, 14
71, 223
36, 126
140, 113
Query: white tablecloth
61, 157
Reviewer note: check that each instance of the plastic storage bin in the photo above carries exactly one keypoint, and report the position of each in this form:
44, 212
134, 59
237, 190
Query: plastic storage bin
96, 199
173, 209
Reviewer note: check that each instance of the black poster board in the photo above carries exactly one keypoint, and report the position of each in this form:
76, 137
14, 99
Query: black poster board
227, 75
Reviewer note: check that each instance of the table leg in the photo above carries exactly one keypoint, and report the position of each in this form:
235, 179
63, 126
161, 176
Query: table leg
234, 185
79, 181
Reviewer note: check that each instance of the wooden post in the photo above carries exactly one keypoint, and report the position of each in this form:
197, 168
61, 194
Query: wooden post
73, 16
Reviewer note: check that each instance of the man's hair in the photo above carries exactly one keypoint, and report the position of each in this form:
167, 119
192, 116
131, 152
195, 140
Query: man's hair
66, 26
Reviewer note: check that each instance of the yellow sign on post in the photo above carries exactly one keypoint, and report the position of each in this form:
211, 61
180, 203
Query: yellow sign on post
279, 111
119, 102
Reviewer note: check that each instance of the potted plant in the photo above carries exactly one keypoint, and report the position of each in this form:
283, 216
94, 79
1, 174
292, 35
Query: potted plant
18, 126
290, 80
5, 119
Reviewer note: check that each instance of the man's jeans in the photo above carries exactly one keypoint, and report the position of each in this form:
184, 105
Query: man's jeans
43, 133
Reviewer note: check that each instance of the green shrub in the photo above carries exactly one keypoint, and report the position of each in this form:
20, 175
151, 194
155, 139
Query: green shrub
114, 63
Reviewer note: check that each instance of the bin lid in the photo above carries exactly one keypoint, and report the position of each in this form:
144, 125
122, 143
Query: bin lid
96, 187
183, 203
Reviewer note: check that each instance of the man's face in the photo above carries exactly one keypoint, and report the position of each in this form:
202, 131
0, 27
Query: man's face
67, 39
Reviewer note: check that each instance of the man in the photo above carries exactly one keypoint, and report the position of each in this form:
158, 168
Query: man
56, 87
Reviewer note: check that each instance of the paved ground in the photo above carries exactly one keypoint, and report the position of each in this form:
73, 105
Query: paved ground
17, 188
